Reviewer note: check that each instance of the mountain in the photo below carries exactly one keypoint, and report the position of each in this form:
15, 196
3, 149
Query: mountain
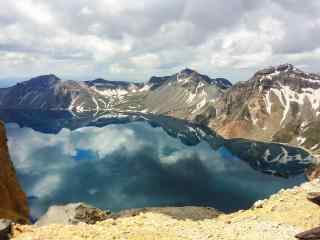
280, 104
45, 92
13, 204
181, 94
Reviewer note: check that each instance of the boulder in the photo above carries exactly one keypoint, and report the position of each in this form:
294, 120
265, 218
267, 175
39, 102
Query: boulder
258, 204
313, 172
73, 213
310, 234
5, 229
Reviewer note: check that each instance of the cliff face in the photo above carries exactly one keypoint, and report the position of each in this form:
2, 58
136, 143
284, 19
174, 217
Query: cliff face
13, 201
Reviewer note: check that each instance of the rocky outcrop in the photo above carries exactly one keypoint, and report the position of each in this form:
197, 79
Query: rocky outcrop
183, 94
5, 229
13, 201
73, 213
282, 216
280, 104
313, 172
181, 213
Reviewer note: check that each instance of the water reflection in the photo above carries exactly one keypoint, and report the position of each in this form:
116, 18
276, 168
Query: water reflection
125, 161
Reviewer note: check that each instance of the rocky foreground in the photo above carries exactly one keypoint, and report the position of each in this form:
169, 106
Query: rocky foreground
281, 217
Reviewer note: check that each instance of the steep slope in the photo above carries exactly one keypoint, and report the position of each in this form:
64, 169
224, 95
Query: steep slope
13, 201
179, 95
43, 92
280, 104
48, 92
184, 93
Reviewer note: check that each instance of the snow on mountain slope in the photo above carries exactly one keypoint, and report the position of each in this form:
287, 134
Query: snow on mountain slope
278, 103
160, 95
183, 94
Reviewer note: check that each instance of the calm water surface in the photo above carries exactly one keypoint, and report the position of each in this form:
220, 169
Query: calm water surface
118, 162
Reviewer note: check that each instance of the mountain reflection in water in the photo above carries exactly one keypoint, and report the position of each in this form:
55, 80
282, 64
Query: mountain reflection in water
118, 161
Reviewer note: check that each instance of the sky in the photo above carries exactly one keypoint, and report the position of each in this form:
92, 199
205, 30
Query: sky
133, 40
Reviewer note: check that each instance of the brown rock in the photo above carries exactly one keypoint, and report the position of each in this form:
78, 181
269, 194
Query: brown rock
5, 229
13, 204
310, 234
313, 172
73, 213
314, 197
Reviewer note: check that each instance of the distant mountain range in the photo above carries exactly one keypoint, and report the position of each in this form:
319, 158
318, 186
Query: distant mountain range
280, 104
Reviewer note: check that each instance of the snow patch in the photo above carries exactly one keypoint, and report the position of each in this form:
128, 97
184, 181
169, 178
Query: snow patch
301, 140
200, 105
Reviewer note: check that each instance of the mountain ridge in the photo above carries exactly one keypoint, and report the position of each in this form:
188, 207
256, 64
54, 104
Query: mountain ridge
279, 104
48, 92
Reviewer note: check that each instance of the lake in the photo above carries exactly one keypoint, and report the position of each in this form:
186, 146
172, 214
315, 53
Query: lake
118, 161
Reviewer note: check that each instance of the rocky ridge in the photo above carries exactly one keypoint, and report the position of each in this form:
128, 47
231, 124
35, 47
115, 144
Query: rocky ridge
279, 104
282, 216
183, 93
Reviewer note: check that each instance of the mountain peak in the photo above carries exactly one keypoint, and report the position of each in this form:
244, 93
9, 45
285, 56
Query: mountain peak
285, 67
280, 68
43, 80
295, 73
46, 77
187, 71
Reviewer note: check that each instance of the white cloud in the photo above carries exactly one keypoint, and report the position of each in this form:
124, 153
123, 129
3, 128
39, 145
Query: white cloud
146, 61
35, 11
46, 186
131, 40
107, 141
86, 11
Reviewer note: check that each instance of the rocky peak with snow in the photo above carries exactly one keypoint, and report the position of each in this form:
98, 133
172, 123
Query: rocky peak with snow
189, 77
279, 103
185, 92
287, 75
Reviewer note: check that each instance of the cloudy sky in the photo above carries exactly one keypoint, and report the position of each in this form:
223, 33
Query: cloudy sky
132, 40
